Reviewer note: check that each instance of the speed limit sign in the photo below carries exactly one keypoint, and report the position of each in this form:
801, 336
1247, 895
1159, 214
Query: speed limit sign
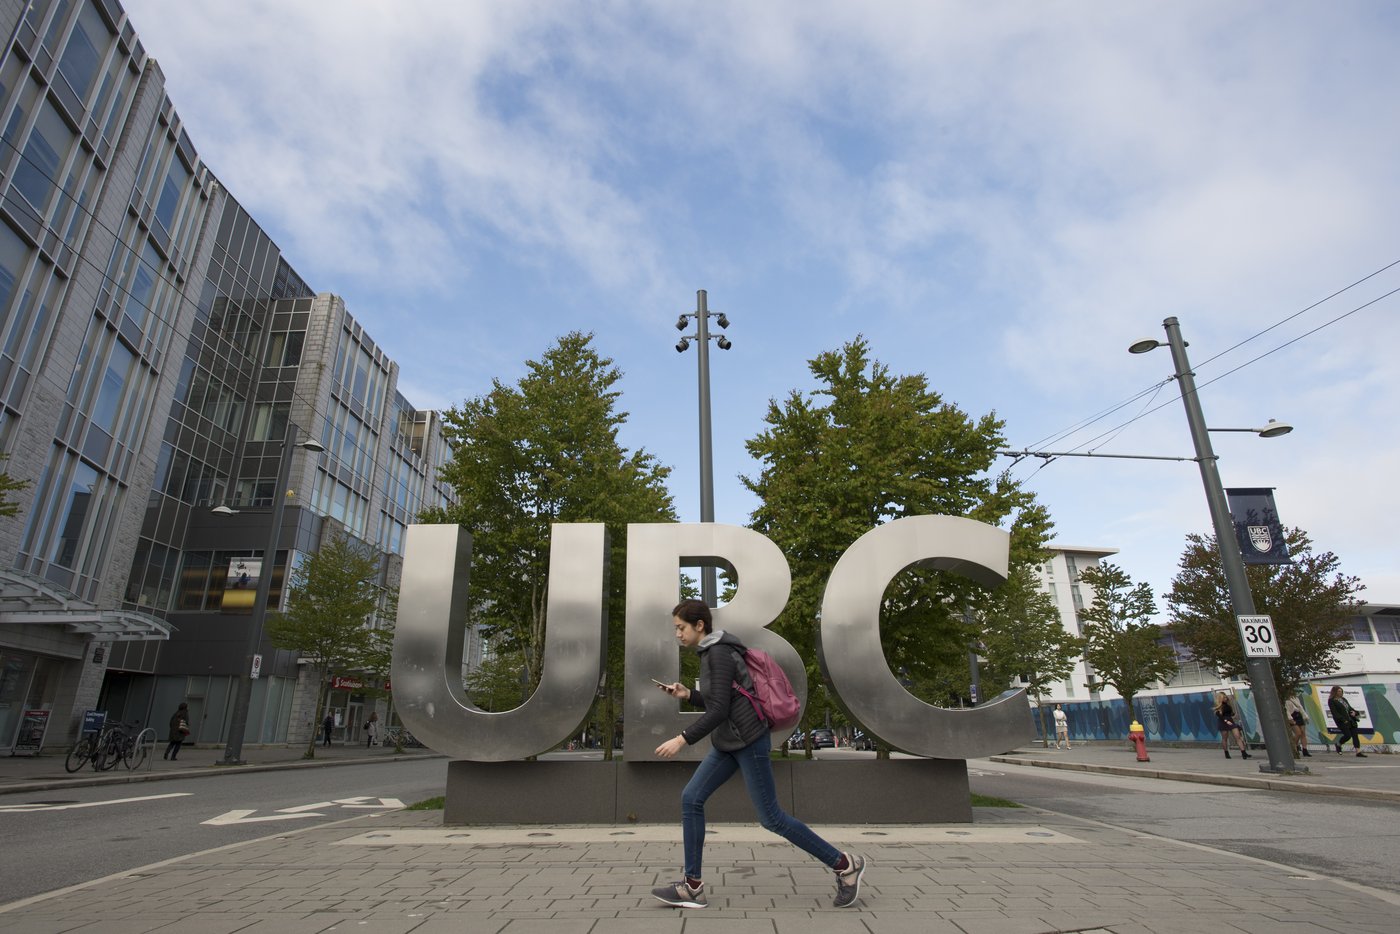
1257, 634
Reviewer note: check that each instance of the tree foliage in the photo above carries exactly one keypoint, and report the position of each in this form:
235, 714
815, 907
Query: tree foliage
377, 659
8, 485
1022, 635
496, 684
1121, 643
864, 448
333, 594
528, 455
1310, 602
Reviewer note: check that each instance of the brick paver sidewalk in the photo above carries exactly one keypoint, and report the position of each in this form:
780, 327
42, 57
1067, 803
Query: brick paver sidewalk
1011, 872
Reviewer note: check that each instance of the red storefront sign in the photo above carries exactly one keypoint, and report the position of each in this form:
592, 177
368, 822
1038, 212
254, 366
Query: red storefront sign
341, 682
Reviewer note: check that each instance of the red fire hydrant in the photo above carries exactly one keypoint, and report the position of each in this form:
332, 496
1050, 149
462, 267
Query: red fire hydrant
1138, 737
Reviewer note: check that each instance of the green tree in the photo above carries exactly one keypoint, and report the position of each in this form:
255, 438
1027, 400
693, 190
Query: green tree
868, 447
377, 659
1310, 601
8, 485
528, 455
497, 683
1022, 635
1121, 642
333, 594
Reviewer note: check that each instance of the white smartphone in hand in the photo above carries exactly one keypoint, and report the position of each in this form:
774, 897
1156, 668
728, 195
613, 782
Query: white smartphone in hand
661, 684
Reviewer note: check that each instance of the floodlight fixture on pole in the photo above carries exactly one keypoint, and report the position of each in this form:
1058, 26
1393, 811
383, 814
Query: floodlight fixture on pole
238, 721
702, 337
1277, 742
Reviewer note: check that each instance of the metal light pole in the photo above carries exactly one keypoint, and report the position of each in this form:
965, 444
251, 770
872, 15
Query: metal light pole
708, 590
238, 725
1261, 676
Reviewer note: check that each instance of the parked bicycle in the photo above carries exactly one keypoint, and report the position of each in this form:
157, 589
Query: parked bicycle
117, 743
398, 736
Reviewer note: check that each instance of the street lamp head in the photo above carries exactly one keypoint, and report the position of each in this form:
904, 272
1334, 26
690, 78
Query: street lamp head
223, 510
681, 323
722, 320
724, 342
1143, 346
681, 345
312, 445
1275, 429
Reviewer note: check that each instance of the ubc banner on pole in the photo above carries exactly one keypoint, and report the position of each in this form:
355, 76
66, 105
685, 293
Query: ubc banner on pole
1257, 527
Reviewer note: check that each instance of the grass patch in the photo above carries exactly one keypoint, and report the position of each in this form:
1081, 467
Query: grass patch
428, 804
987, 801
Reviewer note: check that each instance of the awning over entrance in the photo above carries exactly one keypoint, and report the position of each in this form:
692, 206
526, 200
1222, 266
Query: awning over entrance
29, 600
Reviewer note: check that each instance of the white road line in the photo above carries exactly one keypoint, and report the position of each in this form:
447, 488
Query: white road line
90, 804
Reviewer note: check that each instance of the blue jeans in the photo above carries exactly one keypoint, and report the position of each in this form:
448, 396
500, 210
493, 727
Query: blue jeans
719, 767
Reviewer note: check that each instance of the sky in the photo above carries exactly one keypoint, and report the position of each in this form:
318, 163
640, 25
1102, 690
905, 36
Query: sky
1002, 197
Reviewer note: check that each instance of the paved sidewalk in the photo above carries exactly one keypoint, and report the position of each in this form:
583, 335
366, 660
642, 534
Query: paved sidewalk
1377, 776
41, 773
1013, 871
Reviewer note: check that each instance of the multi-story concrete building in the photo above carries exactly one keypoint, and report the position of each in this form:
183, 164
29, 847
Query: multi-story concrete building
155, 349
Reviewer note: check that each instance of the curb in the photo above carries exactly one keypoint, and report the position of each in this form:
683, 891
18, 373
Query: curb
1294, 785
209, 771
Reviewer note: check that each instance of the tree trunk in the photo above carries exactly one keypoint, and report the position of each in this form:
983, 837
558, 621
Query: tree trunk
609, 712
318, 716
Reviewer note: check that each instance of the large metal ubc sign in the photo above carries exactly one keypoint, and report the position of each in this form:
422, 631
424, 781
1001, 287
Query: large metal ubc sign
432, 612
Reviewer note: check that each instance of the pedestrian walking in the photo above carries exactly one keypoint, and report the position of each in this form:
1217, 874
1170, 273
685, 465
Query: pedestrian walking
739, 742
1298, 724
327, 725
179, 729
372, 730
1347, 718
1061, 726
1225, 718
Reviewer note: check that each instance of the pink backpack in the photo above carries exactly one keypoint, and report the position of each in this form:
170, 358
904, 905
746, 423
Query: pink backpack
773, 698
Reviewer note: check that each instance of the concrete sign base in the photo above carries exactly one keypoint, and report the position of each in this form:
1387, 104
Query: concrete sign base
866, 791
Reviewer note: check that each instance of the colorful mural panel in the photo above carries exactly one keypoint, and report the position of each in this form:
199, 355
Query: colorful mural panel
1190, 718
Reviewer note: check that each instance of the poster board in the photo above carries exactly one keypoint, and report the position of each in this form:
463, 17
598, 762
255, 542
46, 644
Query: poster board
33, 725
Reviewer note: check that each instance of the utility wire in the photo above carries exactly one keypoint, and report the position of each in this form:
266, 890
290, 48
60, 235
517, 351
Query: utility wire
1105, 413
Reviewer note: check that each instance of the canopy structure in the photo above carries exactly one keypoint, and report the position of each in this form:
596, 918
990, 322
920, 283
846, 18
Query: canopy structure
29, 600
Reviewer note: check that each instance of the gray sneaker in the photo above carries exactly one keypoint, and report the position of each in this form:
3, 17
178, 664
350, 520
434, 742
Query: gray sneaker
681, 895
848, 882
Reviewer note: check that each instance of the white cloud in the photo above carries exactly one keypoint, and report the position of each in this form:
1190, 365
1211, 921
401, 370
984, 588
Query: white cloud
1003, 196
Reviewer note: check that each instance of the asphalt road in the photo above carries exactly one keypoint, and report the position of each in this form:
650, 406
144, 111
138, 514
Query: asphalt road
1347, 838
53, 839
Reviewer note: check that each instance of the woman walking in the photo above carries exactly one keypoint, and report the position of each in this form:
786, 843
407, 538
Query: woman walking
1225, 718
739, 742
179, 729
1347, 718
1298, 723
372, 730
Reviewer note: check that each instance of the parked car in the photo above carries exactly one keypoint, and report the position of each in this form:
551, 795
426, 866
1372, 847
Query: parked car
861, 740
823, 739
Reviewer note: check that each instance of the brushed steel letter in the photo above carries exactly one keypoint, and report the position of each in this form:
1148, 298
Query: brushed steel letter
655, 554
428, 641
854, 663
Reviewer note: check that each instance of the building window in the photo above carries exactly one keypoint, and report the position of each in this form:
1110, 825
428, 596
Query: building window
75, 516
48, 143
109, 397
170, 193
1361, 630
80, 58
1387, 628
138, 300
269, 421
